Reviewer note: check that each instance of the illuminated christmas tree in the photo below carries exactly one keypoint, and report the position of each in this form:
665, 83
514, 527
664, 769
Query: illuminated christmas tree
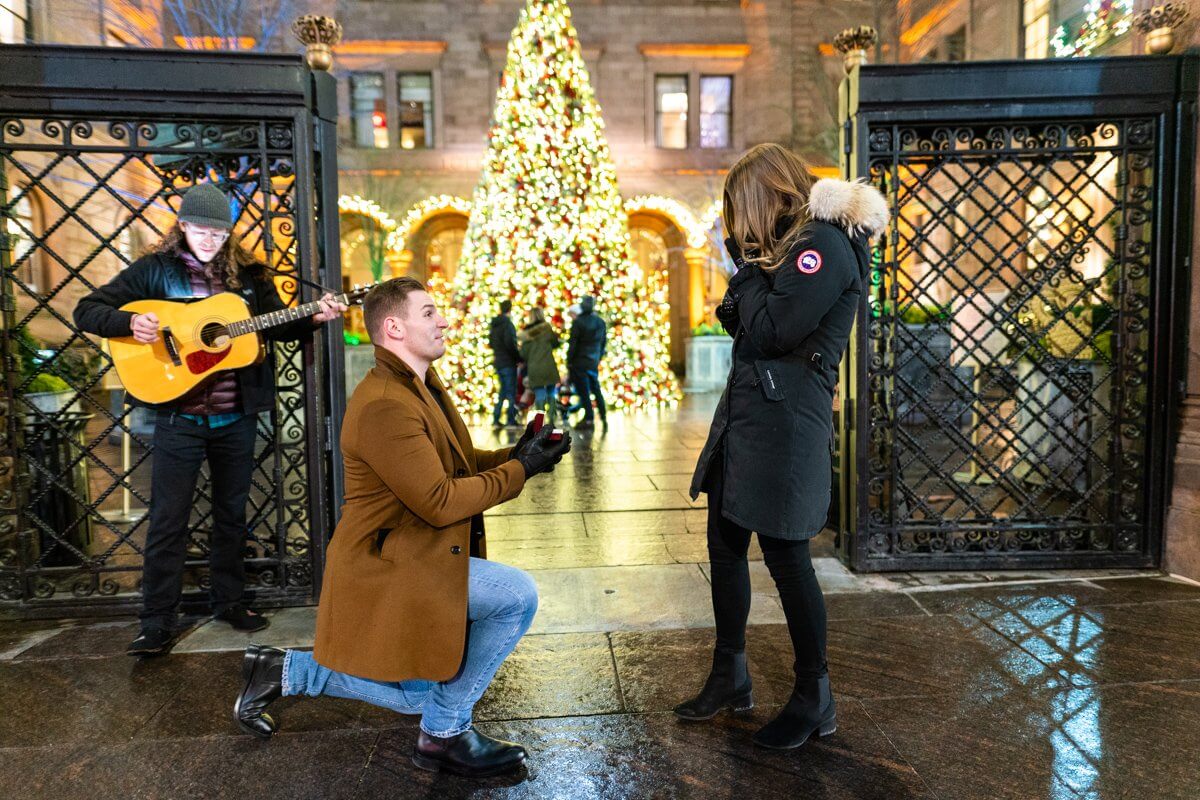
547, 225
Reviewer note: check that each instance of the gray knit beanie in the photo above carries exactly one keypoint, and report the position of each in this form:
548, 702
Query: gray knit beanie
205, 204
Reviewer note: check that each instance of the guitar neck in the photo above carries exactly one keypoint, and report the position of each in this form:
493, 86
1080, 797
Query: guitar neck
276, 318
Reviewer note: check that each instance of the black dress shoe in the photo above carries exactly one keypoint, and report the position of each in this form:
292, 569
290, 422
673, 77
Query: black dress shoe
728, 687
471, 754
243, 619
809, 711
262, 672
151, 641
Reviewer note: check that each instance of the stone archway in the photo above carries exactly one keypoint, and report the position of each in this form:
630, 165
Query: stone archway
657, 243
436, 246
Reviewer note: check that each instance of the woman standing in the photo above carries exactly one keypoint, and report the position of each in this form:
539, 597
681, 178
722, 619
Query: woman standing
800, 248
537, 342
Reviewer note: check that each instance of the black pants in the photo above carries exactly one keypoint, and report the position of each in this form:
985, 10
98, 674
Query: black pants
180, 448
587, 386
790, 565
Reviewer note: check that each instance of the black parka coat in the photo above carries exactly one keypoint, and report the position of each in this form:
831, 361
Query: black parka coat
774, 422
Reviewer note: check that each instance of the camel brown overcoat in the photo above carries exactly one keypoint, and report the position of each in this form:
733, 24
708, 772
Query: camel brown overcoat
394, 597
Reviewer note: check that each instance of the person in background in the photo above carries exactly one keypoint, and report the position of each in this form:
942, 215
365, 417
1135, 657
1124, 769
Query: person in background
537, 342
502, 338
589, 337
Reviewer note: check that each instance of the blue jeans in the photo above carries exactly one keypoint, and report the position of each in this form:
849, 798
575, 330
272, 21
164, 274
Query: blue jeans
587, 386
508, 392
543, 400
501, 603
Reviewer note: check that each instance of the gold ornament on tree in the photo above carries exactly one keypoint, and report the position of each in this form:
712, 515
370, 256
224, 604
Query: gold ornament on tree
853, 43
318, 34
1158, 24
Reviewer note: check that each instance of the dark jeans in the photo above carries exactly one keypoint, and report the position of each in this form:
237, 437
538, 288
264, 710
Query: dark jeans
508, 393
789, 563
180, 448
586, 383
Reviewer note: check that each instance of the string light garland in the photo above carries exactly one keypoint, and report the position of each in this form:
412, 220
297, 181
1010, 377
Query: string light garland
548, 227
675, 211
1103, 21
421, 211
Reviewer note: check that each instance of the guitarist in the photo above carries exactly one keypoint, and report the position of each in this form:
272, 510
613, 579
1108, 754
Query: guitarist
198, 257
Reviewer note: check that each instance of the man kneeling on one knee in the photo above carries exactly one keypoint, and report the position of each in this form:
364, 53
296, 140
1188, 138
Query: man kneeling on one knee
411, 617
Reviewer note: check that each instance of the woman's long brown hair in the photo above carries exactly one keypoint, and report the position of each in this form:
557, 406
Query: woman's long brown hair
230, 263
768, 184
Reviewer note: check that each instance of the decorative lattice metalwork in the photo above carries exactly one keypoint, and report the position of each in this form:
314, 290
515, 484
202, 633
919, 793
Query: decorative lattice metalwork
1008, 338
81, 197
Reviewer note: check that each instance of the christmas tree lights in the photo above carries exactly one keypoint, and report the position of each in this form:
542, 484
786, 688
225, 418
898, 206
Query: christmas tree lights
547, 225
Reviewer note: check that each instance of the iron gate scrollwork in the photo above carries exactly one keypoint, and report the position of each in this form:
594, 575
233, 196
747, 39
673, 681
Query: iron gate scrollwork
1014, 355
83, 192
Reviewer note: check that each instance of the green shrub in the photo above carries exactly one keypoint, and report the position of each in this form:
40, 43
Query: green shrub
45, 382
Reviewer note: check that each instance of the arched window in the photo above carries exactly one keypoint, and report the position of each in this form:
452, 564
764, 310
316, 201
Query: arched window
444, 250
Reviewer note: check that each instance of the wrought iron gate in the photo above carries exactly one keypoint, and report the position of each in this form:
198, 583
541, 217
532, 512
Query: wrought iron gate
1012, 382
96, 148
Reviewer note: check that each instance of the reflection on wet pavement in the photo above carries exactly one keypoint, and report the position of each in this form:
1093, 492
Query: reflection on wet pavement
1065, 686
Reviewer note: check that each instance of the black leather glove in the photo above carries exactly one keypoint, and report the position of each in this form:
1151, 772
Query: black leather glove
523, 442
727, 312
541, 454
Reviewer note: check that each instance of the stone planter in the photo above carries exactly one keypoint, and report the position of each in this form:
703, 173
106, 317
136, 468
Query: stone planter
708, 362
51, 402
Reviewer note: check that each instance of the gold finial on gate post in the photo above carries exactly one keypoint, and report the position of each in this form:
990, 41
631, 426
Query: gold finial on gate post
318, 34
852, 43
1158, 24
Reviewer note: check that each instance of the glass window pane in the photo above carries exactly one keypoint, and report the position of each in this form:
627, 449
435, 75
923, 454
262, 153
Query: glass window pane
14, 18
1037, 37
415, 93
20, 226
670, 111
716, 110
368, 112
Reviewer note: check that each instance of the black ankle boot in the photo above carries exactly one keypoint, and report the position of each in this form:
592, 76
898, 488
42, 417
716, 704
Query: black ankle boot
728, 686
262, 671
471, 754
810, 710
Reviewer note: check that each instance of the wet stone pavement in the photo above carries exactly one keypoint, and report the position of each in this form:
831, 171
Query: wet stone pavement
955, 685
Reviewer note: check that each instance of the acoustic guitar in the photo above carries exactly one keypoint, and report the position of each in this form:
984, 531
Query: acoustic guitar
197, 339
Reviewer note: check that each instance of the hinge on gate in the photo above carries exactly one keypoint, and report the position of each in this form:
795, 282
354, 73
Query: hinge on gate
846, 137
329, 434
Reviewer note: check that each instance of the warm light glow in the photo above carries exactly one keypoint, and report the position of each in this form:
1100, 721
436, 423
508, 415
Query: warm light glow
416, 216
695, 231
1103, 21
548, 226
215, 42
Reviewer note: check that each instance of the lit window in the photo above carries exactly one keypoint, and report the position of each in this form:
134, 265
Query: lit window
1036, 19
415, 93
20, 224
716, 110
368, 112
670, 111
14, 21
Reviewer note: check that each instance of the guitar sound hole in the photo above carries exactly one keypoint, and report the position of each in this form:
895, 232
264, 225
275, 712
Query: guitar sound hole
214, 334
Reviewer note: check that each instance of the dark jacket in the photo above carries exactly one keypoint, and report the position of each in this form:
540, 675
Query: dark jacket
537, 344
164, 277
791, 327
585, 348
502, 338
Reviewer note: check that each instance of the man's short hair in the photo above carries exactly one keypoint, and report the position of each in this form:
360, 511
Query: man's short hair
388, 299
505, 306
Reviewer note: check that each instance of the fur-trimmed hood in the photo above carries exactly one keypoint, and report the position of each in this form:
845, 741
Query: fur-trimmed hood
855, 206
